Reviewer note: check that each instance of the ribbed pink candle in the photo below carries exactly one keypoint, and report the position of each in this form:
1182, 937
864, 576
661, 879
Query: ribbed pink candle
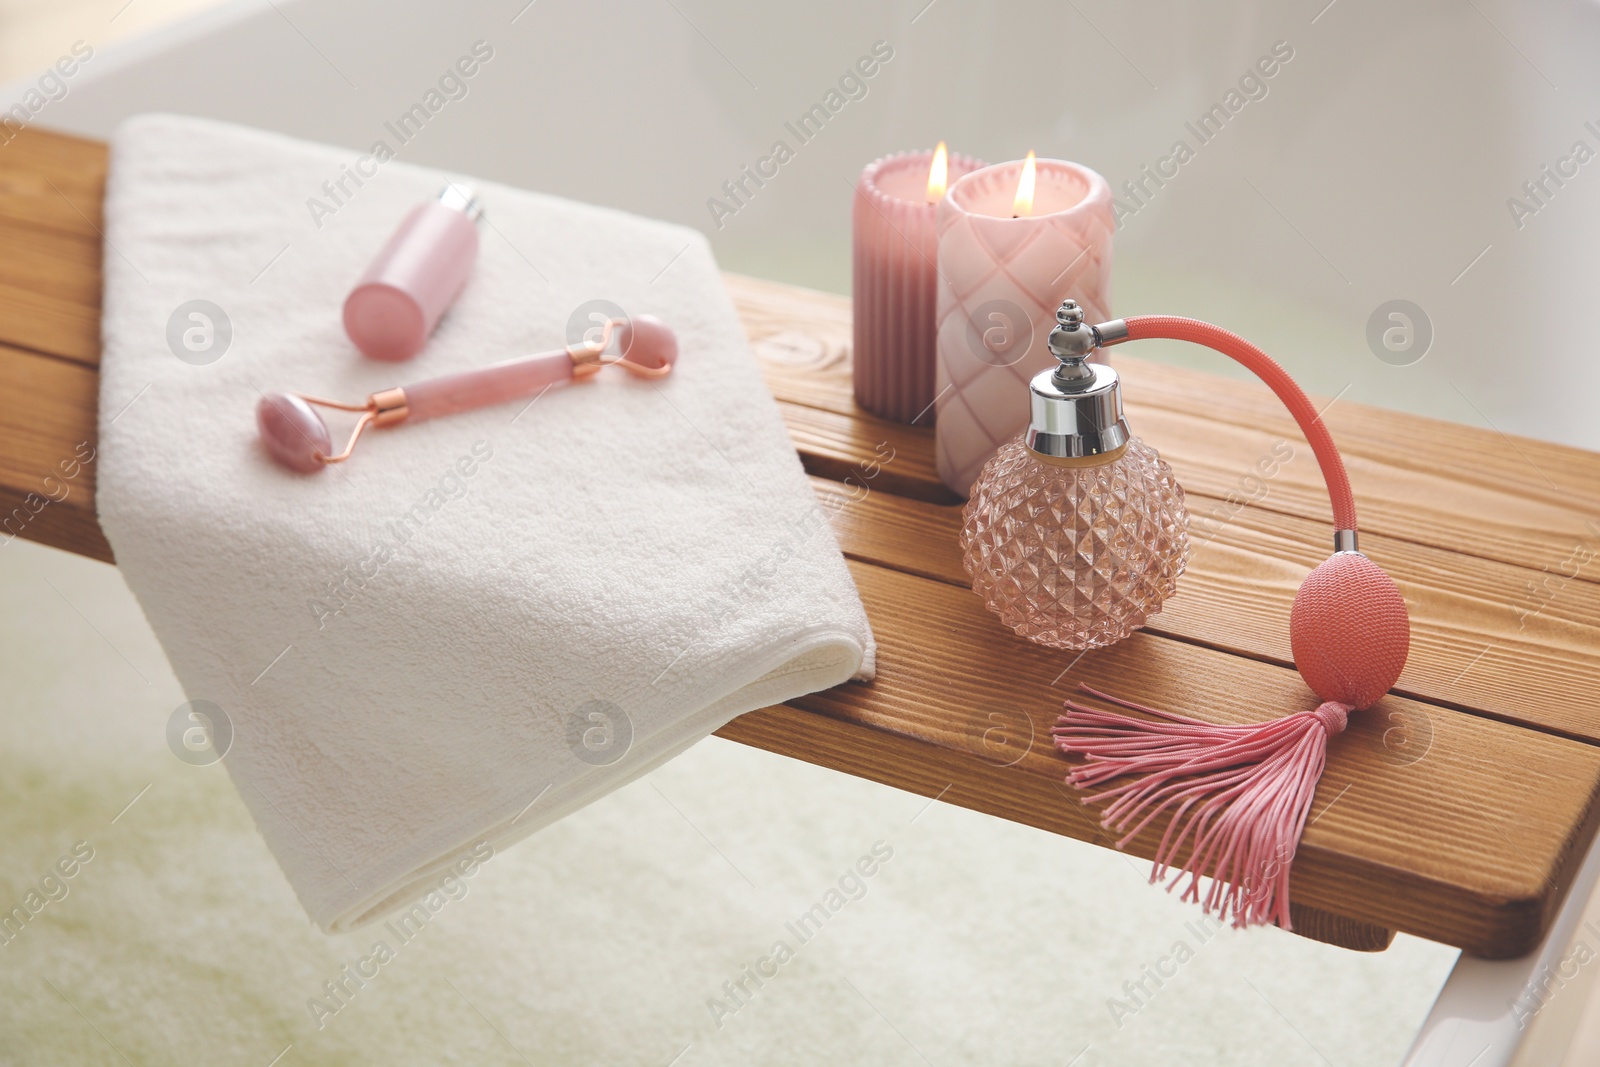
1000, 281
893, 285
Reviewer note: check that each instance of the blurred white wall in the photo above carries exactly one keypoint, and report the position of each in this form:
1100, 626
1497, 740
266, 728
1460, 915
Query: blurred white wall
1377, 165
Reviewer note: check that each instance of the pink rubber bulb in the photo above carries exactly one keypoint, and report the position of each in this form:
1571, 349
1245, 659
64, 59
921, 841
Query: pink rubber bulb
646, 340
1349, 630
293, 433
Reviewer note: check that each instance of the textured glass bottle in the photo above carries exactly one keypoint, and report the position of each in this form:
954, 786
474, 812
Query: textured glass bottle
1075, 533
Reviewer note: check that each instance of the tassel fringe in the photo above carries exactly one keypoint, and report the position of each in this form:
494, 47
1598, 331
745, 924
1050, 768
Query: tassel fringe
1238, 795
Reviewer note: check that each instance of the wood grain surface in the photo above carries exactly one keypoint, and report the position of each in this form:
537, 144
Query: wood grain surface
1455, 809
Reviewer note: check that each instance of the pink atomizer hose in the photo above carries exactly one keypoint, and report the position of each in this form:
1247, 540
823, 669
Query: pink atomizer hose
1239, 795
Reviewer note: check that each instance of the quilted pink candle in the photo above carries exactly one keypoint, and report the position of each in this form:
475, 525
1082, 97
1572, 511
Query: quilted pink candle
893, 280
1015, 240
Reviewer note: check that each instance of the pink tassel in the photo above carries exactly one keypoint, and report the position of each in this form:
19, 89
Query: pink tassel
1241, 792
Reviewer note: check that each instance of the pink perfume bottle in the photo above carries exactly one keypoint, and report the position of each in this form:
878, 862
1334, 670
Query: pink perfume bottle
1075, 533
419, 273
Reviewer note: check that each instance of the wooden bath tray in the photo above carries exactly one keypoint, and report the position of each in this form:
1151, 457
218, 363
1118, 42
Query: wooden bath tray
1456, 809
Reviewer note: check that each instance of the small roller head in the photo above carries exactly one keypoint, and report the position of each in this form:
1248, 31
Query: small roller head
293, 433
647, 342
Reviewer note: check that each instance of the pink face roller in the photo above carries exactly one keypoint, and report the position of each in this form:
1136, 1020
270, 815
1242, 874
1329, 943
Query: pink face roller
295, 435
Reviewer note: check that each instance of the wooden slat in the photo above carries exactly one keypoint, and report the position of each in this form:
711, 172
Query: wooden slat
1469, 490
51, 263
1339, 930
952, 777
47, 421
51, 189
1472, 844
1478, 642
838, 447
1473, 489
50, 324
1216, 462
53, 181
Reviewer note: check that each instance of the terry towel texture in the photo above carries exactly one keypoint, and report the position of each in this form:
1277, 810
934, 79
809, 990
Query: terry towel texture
480, 623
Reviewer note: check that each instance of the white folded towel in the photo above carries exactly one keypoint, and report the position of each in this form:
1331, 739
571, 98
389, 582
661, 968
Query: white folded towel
482, 622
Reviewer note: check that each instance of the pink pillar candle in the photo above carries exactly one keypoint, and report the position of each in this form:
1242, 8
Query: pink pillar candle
1001, 279
893, 284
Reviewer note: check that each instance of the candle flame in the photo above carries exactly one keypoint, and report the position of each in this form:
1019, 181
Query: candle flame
1022, 206
938, 174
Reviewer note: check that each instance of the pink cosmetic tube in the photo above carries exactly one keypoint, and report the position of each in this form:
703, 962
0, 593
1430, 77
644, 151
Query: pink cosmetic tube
420, 272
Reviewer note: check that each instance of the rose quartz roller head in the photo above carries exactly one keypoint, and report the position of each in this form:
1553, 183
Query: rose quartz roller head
419, 273
295, 435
